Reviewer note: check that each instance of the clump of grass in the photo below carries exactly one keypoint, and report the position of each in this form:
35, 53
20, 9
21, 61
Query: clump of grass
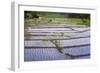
85, 22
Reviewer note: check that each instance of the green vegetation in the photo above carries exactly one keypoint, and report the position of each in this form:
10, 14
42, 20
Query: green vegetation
56, 43
32, 18
38, 18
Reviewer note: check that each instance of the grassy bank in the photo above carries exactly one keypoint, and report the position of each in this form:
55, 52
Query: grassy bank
51, 21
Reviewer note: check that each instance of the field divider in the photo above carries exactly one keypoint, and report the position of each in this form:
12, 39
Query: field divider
59, 38
75, 46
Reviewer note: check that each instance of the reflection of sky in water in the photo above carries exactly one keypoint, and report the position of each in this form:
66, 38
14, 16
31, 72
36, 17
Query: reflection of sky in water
40, 54
62, 42
53, 54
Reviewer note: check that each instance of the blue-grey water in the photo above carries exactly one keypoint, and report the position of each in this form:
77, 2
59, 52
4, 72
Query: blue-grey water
43, 54
40, 54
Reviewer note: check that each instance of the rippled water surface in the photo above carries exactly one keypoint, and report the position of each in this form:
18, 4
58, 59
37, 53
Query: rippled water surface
39, 54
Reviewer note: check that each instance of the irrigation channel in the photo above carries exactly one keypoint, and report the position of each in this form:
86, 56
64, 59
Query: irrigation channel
41, 43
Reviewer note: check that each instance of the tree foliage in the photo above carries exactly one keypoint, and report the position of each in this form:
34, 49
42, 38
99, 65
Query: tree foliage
30, 15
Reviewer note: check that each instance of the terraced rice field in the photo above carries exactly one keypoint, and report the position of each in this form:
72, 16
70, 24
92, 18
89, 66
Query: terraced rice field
75, 41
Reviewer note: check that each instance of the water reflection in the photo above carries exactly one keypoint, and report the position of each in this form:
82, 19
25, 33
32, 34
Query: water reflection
42, 54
